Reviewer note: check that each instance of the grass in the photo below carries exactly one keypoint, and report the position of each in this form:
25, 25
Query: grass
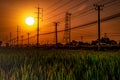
35, 64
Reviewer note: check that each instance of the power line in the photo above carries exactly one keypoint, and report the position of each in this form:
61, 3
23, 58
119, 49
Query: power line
90, 23
111, 1
81, 13
67, 10
80, 26
74, 14
57, 2
59, 7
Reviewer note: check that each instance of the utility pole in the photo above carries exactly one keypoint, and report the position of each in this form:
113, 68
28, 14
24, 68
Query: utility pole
98, 8
28, 38
67, 34
105, 35
38, 19
81, 38
10, 39
47, 42
14, 42
22, 40
56, 35
17, 36
38, 28
11, 42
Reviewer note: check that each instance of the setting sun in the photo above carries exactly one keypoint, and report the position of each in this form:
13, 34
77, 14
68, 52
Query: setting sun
29, 21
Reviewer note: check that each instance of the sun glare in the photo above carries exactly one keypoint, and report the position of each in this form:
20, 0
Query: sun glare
29, 21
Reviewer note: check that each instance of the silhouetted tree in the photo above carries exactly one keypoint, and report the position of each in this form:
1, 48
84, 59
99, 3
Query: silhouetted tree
80, 43
113, 42
59, 44
0, 43
7, 44
94, 42
86, 43
108, 41
74, 43
104, 40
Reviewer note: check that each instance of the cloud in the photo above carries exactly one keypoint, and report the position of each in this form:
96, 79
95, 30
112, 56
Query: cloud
81, 7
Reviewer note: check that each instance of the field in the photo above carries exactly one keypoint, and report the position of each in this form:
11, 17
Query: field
37, 64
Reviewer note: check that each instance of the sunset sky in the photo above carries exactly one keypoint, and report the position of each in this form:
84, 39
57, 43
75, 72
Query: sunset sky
14, 12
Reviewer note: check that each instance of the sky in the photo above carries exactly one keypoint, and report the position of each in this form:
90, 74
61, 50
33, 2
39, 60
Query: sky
14, 12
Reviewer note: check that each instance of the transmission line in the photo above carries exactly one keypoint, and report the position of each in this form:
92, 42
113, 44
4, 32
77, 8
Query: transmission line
57, 2
90, 23
59, 7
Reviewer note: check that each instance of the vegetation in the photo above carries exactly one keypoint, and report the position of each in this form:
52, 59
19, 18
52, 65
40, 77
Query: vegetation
0, 43
105, 41
36, 64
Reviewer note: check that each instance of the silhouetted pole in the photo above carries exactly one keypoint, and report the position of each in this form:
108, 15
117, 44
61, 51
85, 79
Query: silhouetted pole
10, 39
17, 36
38, 28
14, 42
67, 35
22, 40
81, 38
69, 16
40, 11
98, 8
47, 42
56, 35
105, 35
28, 38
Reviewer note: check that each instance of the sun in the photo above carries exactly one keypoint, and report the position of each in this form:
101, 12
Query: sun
29, 21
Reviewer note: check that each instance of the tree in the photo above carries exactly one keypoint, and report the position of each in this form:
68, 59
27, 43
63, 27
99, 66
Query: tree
113, 42
94, 42
74, 43
104, 40
0, 43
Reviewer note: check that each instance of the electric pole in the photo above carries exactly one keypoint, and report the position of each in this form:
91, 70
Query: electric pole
98, 8
38, 29
81, 38
22, 40
17, 36
28, 38
14, 42
56, 35
11, 42
38, 21
67, 34
105, 35
10, 39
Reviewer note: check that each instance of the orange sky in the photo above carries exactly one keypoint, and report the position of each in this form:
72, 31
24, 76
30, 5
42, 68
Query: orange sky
14, 12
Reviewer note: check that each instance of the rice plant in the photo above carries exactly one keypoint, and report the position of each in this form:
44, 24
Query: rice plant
37, 64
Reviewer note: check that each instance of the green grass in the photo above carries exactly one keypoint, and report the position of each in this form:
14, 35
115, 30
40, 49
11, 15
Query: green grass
35, 64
